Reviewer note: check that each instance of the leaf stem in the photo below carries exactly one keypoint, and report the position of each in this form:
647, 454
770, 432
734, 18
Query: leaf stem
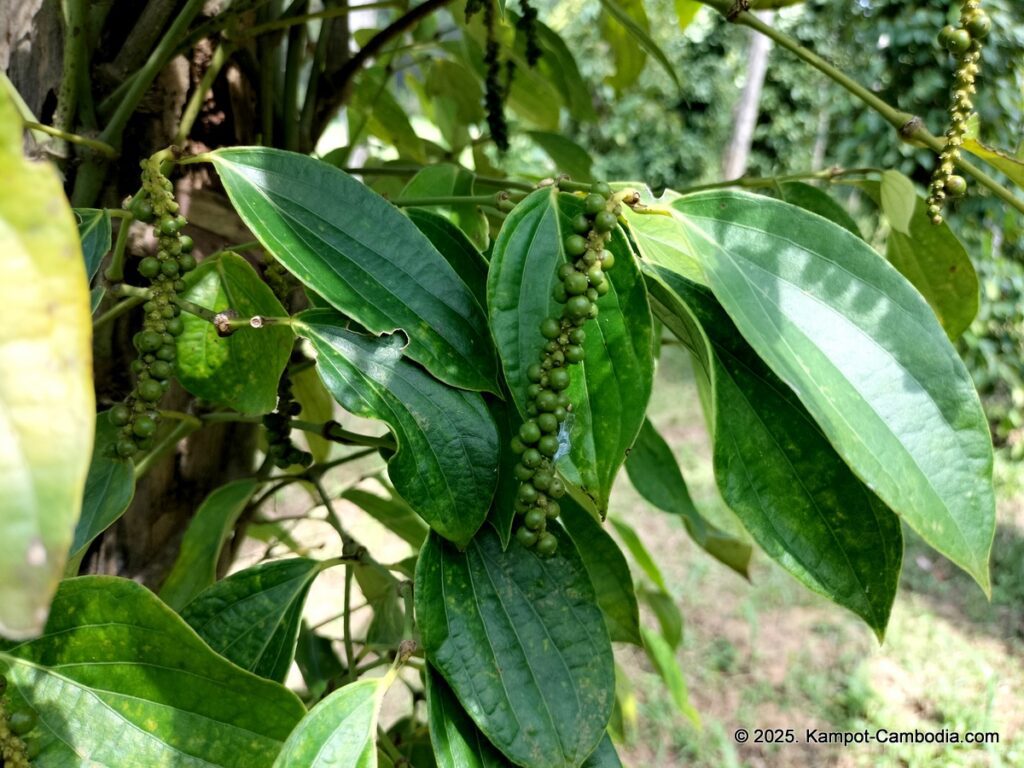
412, 170
97, 146
115, 272
350, 572
424, 202
171, 439
117, 310
195, 102
759, 182
910, 127
195, 309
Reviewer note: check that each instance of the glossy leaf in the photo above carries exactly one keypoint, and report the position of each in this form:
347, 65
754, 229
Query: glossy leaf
317, 661
522, 643
633, 18
456, 247
381, 591
665, 663
609, 574
639, 552
661, 238
207, 533
503, 512
456, 740
653, 470
94, 234
1012, 166
393, 513
628, 56
446, 180
446, 462
667, 613
559, 66
363, 256
864, 354
240, 371
610, 389
252, 617
817, 201
47, 406
784, 481
339, 731
109, 488
568, 156
118, 679
898, 200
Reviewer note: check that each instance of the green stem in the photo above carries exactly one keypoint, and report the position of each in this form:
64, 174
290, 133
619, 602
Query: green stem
195, 102
123, 289
330, 13
115, 272
389, 748
171, 439
256, 322
195, 309
410, 202
910, 128
73, 138
350, 572
294, 61
758, 182
412, 170
117, 310
75, 34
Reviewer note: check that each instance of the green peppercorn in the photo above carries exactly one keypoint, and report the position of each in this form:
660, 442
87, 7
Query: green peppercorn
605, 221
120, 415
535, 519
168, 226
161, 370
169, 268
527, 493
558, 293
175, 326
167, 353
578, 307
149, 267
522, 473
147, 341
141, 209
557, 489
22, 722
547, 545
550, 328
547, 423
558, 379
531, 458
542, 480
601, 188
529, 433
581, 224
607, 260
187, 262
576, 284
150, 390
574, 354
593, 204
144, 426
552, 510
126, 447
186, 244
534, 372
956, 186
577, 335
959, 42
546, 400
526, 537
978, 24
548, 445
945, 34
575, 245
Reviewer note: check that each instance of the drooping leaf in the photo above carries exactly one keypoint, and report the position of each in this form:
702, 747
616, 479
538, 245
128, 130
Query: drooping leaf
864, 354
1012, 166
604, 756
898, 200
109, 488
47, 406
446, 462
339, 731
686, 12
662, 239
118, 679
317, 408
655, 474
667, 613
633, 19
240, 371
373, 109
781, 476
381, 591
207, 532
610, 389
94, 234
568, 156
252, 617
456, 247
447, 180
558, 65
522, 643
317, 661
363, 256
665, 663
629, 57
609, 574
817, 201
639, 552
503, 512
457, 742
393, 513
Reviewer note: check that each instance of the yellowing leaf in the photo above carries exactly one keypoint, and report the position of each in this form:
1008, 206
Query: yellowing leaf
47, 406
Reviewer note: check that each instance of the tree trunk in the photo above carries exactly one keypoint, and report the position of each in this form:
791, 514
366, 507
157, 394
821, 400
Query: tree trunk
737, 151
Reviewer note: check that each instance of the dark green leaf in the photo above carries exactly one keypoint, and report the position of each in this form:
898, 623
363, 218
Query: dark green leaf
604, 756
94, 232
317, 661
457, 742
864, 354
339, 731
610, 389
606, 566
447, 458
109, 489
196, 566
522, 643
568, 156
380, 589
372, 108
503, 512
446, 180
667, 613
898, 200
252, 617
629, 57
456, 247
393, 513
119, 679
653, 470
240, 371
363, 256
779, 474
558, 65
816, 201
664, 660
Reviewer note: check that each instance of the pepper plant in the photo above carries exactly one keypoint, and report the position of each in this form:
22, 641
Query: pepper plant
468, 354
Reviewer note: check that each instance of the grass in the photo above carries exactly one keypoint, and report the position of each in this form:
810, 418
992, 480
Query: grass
770, 654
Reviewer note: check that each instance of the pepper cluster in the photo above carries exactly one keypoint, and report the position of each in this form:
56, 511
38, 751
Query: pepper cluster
963, 42
495, 91
527, 24
15, 753
137, 416
281, 450
581, 282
